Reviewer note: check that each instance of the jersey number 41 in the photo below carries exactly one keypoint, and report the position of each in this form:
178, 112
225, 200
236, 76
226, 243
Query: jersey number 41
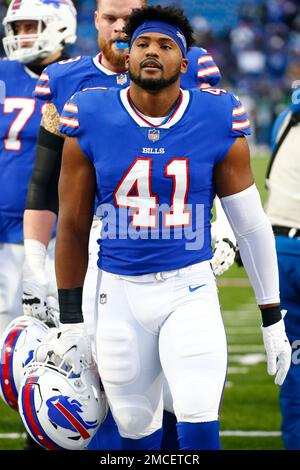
135, 191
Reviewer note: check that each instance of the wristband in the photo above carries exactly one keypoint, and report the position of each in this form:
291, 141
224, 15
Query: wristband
270, 315
70, 305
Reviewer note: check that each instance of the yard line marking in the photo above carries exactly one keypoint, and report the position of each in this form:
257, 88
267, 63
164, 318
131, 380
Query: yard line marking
243, 330
228, 384
234, 282
248, 359
13, 435
245, 348
237, 370
223, 433
241, 312
235, 341
250, 433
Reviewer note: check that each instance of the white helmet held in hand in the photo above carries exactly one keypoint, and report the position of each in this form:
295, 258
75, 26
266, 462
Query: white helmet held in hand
56, 27
59, 409
17, 347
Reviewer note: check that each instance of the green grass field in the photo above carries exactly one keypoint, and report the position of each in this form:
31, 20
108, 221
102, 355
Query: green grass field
251, 399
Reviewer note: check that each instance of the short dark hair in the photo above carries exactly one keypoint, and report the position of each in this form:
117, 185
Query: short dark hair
143, 3
169, 15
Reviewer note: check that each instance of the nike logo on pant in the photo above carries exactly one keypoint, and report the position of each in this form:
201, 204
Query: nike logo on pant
192, 289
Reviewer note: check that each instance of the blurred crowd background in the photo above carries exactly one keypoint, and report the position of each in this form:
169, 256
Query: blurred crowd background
256, 44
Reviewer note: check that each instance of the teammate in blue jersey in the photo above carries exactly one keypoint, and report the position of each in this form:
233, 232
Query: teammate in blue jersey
88, 72
33, 39
35, 35
156, 156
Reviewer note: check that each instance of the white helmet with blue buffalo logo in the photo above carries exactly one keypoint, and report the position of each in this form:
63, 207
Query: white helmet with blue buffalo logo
59, 409
56, 28
17, 347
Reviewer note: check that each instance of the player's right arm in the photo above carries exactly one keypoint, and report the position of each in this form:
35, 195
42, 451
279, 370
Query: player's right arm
42, 199
40, 214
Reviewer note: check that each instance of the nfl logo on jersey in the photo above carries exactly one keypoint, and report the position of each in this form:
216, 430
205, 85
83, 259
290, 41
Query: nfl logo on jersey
153, 135
103, 299
122, 79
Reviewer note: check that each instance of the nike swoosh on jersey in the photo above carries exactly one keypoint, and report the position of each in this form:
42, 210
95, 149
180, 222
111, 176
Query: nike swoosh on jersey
192, 289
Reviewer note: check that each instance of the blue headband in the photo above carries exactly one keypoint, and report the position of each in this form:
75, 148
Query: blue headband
164, 28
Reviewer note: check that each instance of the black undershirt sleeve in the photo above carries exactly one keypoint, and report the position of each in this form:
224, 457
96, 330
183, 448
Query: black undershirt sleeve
43, 187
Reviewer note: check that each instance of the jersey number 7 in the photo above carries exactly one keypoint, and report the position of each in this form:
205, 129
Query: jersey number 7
134, 191
26, 107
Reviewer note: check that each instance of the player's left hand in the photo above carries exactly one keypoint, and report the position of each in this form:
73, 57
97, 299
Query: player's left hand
39, 296
224, 253
278, 351
45, 310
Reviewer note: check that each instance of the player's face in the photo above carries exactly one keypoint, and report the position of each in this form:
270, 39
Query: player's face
110, 19
26, 28
155, 62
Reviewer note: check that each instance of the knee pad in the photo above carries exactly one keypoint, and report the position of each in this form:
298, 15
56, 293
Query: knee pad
118, 358
134, 417
197, 400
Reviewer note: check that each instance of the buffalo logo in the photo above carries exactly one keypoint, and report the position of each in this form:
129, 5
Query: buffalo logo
29, 358
16, 5
57, 3
65, 413
153, 135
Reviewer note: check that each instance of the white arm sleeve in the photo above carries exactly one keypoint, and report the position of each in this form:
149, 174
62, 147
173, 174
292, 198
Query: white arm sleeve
256, 242
221, 227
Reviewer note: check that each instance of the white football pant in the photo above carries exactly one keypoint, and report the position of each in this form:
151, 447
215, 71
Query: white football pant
165, 322
89, 295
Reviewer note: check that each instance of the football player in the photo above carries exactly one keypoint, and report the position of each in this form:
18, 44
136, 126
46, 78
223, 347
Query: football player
156, 156
36, 33
55, 88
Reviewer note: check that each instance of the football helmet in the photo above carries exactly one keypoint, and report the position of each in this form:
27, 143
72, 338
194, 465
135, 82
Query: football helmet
17, 346
56, 27
59, 409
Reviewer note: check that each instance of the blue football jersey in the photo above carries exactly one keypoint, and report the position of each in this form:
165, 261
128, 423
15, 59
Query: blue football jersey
61, 80
20, 117
201, 69
155, 183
